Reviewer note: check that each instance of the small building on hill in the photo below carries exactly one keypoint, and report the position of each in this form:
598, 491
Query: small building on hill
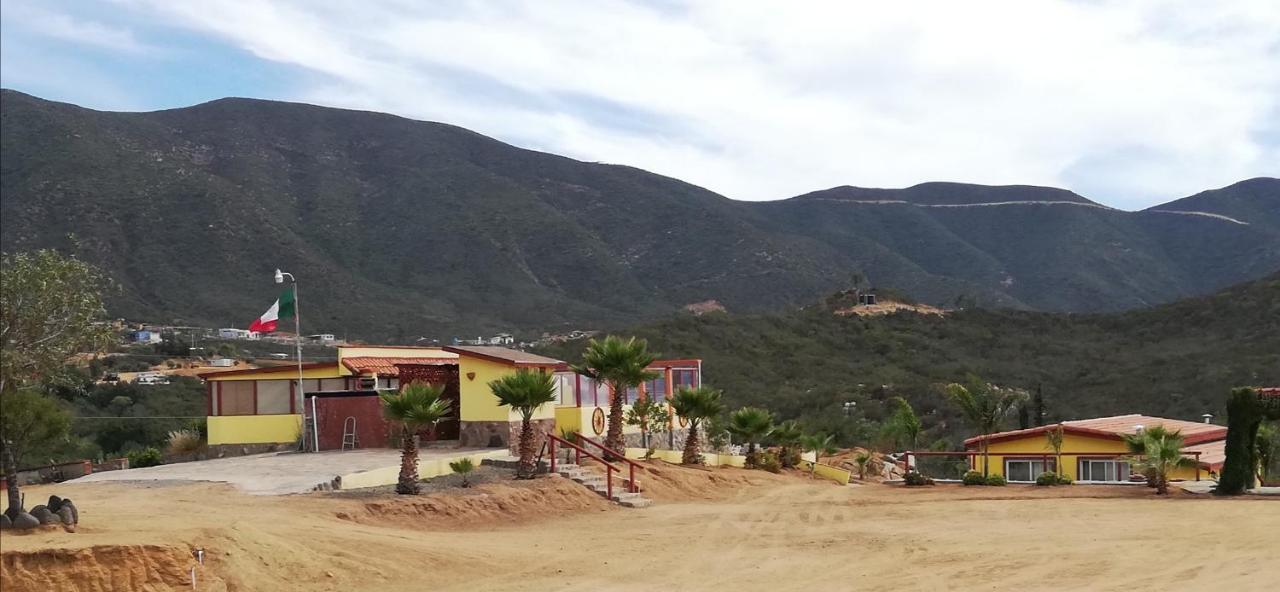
1093, 450
256, 410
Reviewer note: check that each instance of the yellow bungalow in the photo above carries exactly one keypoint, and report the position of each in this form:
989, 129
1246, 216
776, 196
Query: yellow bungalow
257, 410
1093, 450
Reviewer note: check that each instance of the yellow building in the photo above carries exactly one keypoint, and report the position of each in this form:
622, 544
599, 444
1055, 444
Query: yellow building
1093, 450
258, 410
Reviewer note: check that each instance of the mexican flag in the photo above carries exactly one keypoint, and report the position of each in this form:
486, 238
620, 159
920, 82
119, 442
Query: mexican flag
268, 321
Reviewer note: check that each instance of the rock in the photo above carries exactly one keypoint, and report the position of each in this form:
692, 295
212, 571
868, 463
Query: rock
71, 507
65, 514
25, 521
5, 522
43, 514
55, 503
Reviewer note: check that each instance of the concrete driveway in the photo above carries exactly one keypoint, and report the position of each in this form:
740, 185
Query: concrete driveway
276, 473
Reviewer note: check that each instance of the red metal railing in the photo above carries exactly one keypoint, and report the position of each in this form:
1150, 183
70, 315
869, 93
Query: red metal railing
631, 464
1043, 457
578, 453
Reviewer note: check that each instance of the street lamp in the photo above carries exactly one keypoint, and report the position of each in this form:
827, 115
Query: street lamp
297, 339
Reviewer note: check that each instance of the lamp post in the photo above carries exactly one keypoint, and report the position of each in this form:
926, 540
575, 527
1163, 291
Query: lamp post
297, 339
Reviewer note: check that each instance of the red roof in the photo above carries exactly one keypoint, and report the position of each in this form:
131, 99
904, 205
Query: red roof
1114, 427
1212, 454
362, 365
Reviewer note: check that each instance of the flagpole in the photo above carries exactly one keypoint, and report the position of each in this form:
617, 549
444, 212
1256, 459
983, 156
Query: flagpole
297, 341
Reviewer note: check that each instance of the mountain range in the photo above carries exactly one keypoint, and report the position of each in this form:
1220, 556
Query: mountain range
397, 228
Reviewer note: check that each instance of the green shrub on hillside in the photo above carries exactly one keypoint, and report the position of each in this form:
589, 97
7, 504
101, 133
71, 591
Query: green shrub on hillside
147, 457
973, 478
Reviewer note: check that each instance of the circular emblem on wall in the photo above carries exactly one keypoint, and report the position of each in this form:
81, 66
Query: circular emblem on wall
684, 423
597, 421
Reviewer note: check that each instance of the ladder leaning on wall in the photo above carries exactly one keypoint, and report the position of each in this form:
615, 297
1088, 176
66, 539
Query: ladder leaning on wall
349, 439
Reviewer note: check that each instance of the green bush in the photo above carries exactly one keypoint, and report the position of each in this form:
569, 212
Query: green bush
996, 480
1063, 480
463, 466
1047, 479
770, 462
147, 457
973, 478
915, 479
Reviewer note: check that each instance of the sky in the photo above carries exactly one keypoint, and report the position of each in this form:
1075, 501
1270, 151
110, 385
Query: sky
1128, 103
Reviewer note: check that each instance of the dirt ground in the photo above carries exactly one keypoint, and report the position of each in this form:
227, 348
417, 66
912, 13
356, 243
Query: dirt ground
722, 529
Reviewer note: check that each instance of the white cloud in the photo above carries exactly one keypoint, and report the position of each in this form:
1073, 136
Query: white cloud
36, 19
1130, 103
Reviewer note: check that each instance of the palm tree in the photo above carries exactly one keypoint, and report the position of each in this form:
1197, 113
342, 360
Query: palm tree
787, 434
987, 406
903, 428
416, 406
820, 445
463, 466
751, 424
621, 364
525, 391
695, 405
862, 459
1054, 438
1160, 453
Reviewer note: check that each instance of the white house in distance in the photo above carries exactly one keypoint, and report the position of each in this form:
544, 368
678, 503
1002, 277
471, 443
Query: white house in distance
232, 333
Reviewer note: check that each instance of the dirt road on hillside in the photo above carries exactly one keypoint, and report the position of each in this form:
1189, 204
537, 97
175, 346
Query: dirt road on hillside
719, 530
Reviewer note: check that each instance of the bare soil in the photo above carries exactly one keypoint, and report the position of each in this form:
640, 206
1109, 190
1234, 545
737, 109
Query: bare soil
717, 529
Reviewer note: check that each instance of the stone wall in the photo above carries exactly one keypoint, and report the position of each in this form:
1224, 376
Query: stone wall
661, 440
498, 434
226, 450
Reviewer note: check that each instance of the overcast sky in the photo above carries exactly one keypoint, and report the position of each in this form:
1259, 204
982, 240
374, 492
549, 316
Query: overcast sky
1128, 103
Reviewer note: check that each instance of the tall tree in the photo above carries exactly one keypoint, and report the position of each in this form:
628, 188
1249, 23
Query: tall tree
751, 424
647, 413
29, 421
416, 406
49, 305
986, 406
525, 391
903, 427
621, 364
696, 405
1039, 405
1054, 439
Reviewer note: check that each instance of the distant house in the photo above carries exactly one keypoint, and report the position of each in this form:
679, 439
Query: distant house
502, 339
146, 336
322, 338
231, 333
222, 363
1094, 450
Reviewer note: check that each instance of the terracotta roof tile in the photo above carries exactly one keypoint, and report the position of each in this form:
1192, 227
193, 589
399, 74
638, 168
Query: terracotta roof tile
381, 366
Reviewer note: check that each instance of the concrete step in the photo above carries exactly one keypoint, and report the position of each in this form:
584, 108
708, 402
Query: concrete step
636, 503
617, 497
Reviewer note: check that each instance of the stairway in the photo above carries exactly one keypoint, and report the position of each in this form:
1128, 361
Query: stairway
597, 484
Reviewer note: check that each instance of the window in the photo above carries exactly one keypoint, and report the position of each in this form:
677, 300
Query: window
565, 396
657, 388
236, 397
273, 397
1024, 471
1103, 470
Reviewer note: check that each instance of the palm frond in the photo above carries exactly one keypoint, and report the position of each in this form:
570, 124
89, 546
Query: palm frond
524, 391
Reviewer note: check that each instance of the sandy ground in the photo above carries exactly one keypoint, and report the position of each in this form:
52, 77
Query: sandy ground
723, 529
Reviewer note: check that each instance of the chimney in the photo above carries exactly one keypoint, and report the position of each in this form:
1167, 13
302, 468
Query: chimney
1208, 417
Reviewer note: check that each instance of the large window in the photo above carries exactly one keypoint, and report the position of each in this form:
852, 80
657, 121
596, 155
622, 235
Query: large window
1025, 471
273, 397
236, 397
1103, 470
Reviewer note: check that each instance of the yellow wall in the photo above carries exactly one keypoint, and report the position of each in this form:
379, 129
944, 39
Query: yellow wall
829, 472
254, 429
578, 419
478, 402
1036, 445
336, 371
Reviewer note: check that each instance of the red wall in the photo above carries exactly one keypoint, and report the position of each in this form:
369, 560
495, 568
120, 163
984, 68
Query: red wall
371, 428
